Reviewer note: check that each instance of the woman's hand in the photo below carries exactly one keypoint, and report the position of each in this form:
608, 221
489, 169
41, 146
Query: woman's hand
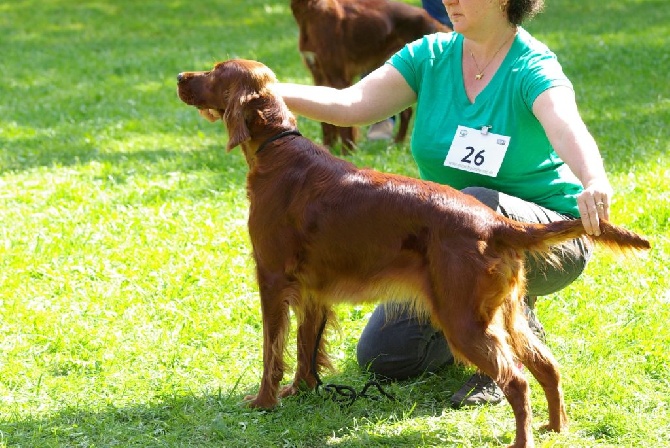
210, 115
594, 205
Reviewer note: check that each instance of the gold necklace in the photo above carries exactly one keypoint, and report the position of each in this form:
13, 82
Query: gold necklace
480, 75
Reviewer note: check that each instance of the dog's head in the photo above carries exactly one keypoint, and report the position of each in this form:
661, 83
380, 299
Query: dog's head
235, 89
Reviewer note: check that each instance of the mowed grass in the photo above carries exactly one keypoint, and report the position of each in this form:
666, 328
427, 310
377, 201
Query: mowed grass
129, 314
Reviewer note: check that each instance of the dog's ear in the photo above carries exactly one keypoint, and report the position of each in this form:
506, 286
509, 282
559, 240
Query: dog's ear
238, 132
235, 117
249, 79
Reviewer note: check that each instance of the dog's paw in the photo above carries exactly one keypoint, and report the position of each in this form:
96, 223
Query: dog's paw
288, 391
554, 428
258, 402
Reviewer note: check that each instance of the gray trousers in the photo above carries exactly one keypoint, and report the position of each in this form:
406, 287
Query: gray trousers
406, 347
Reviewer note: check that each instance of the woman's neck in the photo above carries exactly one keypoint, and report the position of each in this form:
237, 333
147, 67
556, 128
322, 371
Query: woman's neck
487, 45
482, 58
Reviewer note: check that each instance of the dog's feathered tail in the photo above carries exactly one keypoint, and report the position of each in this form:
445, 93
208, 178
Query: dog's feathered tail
540, 238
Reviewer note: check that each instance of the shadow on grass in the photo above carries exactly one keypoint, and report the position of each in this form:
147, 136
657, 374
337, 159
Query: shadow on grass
308, 420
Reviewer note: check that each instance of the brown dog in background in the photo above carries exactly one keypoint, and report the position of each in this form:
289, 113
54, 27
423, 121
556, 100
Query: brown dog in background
341, 40
324, 231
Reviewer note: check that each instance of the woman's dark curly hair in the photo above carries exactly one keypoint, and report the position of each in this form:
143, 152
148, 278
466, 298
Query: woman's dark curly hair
520, 10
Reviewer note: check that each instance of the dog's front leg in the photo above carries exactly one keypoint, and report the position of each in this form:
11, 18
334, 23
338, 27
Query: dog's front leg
275, 311
311, 343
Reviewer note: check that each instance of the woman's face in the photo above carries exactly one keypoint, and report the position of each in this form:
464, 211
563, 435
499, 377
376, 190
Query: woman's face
473, 15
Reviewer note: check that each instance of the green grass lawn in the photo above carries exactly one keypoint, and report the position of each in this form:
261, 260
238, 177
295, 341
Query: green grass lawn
129, 314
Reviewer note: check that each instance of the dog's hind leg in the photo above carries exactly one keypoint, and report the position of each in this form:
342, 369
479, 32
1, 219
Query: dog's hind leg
485, 346
313, 319
542, 365
468, 307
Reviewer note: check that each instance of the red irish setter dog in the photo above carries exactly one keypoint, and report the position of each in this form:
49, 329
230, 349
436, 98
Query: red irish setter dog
341, 40
324, 231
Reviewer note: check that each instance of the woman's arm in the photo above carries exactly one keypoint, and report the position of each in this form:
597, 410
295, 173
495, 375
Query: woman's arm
379, 95
556, 109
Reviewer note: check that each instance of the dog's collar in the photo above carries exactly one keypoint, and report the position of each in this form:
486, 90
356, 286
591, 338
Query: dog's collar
277, 137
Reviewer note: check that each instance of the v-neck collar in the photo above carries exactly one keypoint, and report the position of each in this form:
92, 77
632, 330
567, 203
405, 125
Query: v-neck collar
493, 83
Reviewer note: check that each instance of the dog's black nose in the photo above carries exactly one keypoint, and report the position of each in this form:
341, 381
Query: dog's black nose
180, 77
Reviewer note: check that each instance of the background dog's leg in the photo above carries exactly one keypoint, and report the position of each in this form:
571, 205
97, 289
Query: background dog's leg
348, 136
328, 131
405, 117
330, 135
333, 75
275, 310
308, 337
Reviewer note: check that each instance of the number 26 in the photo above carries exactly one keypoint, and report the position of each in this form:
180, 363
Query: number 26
478, 158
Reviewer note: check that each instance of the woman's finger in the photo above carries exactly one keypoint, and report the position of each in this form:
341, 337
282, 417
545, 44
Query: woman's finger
209, 114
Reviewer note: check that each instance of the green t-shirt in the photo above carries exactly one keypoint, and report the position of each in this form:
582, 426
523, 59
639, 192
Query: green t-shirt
530, 168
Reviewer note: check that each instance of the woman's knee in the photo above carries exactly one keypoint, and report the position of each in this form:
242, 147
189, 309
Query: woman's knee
490, 198
400, 347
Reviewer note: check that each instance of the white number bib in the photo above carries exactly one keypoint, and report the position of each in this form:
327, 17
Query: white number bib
477, 151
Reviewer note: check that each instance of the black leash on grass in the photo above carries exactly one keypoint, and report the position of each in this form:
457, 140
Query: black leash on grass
341, 393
